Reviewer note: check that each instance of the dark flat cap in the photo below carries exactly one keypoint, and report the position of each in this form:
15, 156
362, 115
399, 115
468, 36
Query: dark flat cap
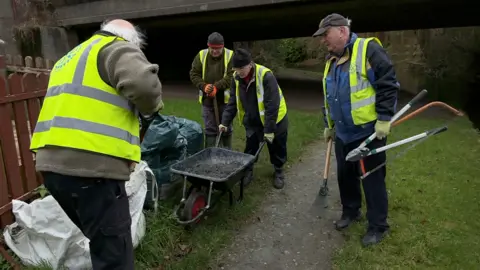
333, 19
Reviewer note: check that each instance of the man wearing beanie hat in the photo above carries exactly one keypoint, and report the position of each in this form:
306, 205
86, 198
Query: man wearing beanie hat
211, 73
360, 89
261, 108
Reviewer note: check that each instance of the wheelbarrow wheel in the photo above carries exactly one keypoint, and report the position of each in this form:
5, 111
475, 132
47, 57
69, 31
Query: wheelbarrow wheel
194, 204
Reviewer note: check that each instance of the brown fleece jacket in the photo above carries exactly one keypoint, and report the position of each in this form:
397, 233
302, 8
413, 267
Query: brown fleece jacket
214, 73
123, 66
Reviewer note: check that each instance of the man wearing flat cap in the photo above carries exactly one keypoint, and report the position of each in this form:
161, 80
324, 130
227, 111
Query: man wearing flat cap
261, 109
211, 73
360, 90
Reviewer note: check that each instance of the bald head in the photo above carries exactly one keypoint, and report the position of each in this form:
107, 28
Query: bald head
121, 23
124, 29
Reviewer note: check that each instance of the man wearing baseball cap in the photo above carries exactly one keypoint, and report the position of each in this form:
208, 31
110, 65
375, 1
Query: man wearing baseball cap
211, 73
360, 89
261, 109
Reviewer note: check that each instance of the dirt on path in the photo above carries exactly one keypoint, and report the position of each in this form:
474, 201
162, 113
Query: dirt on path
290, 231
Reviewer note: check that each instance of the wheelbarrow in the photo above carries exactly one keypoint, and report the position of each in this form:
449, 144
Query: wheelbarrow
212, 169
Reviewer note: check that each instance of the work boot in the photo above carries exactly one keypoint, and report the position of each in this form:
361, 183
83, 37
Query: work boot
279, 178
373, 237
210, 141
247, 179
227, 142
346, 220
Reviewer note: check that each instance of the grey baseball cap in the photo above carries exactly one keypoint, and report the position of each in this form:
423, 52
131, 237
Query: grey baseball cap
333, 19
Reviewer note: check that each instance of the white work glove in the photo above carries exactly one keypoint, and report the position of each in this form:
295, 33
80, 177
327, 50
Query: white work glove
328, 133
269, 137
222, 128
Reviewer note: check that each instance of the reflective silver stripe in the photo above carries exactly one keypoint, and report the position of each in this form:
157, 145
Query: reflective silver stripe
90, 92
363, 102
361, 83
77, 124
260, 90
226, 59
228, 54
203, 60
82, 63
203, 56
77, 87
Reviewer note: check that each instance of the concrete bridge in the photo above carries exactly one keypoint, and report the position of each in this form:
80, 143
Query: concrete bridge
266, 19
177, 29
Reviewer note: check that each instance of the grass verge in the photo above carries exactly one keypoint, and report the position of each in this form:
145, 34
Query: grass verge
433, 201
167, 245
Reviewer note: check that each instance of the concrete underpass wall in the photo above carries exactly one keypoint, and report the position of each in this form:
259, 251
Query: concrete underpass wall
407, 56
6, 25
173, 50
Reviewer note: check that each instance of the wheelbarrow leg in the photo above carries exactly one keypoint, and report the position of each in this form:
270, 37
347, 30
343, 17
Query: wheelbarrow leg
230, 197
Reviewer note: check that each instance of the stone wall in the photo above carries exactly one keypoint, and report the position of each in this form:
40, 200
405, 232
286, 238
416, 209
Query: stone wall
6, 25
405, 52
56, 42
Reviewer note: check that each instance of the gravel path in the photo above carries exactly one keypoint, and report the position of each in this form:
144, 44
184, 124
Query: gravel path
289, 232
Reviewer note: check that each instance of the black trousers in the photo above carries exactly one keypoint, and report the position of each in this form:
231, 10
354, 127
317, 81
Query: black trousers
99, 208
277, 149
373, 186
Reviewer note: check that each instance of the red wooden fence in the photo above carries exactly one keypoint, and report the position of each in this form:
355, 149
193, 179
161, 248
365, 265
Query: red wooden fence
23, 84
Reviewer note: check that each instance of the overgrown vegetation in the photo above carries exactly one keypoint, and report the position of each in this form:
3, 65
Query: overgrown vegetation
452, 73
32, 15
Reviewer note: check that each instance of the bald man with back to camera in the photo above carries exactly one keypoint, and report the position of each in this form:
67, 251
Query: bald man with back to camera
87, 136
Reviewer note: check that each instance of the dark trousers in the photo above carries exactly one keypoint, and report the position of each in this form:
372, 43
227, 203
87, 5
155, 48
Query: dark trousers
277, 149
373, 186
99, 208
211, 126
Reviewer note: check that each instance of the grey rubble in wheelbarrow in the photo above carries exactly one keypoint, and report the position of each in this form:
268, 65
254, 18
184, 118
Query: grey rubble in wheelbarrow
215, 164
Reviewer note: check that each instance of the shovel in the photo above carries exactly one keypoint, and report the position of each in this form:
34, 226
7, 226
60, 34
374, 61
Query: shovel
217, 117
321, 201
323, 192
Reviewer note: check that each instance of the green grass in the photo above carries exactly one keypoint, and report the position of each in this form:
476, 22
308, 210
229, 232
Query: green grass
433, 201
168, 245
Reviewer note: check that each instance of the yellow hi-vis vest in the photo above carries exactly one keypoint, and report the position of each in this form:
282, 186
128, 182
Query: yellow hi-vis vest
81, 111
260, 72
226, 59
362, 93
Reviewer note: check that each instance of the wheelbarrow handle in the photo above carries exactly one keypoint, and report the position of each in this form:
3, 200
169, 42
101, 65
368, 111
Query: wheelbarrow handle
262, 144
217, 142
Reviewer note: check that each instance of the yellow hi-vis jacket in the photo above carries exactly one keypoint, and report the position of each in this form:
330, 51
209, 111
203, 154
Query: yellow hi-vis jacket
81, 111
226, 59
260, 72
362, 93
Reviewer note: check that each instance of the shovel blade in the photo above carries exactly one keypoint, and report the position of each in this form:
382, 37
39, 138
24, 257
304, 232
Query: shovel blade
320, 204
